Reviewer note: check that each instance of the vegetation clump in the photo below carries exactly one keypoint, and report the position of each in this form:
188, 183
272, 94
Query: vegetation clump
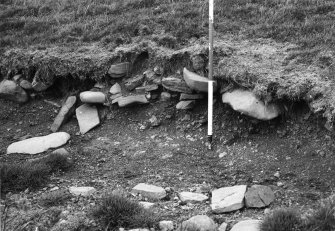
282, 220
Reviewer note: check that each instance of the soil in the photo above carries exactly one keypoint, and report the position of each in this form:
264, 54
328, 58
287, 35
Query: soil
125, 150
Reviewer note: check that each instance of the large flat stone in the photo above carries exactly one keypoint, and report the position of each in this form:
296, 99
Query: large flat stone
134, 82
259, 196
92, 97
247, 225
131, 100
11, 91
247, 103
115, 89
65, 113
150, 191
199, 222
197, 82
228, 199
119, 70
39, 144
82, 191
147, 88
192, 197
176, 85
88, 118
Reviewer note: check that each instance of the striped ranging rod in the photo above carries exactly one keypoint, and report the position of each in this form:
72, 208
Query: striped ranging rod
210, 76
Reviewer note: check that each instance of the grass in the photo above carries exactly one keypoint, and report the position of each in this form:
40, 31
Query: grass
116, 211
282, 220
32, 175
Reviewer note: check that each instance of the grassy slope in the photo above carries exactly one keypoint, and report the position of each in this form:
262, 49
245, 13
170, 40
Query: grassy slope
37, 26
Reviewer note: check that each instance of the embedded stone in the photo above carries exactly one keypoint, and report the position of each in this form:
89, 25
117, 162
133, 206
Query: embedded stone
82, 191
147, 88
11, 91
131, 100
166, 225
65, 113
184, 96
192, 197
228, 199
149, 191
247, 103
146, 205
88, 118
185, 105
176, 85
115, 89
25, 84
165, 96
39, 144
259, 196
92, 97
197, 82
199, 222
132, 83
247, 225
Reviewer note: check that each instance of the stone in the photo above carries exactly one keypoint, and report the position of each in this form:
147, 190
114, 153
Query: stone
199, 222
119, 70
115, 89
134, 82
39, 144
258, 196
149, 75
25, 84
149, 191
43, 79
92, 97
88, 118
131, 100
65, 113
223, 227
191, 197
113, 97
228, 199
166, 225
154, 121
147, 88
146, 205
184, 96
61, 151
11, 91
176, 85
165, 96
247, 225
247, 103
197, 82
99, 85
82, 191
158, 70
185, 105
17, 78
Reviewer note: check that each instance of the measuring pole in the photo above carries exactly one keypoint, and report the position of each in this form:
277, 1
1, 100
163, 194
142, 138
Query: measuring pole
210, 76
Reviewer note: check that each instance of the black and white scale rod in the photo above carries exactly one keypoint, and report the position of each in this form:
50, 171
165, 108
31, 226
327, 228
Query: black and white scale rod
210, 75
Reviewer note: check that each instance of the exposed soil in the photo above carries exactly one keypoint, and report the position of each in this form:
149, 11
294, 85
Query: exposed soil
119, 155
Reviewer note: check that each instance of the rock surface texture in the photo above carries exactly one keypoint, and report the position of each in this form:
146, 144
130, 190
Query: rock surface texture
259, 196
149, 191
176, 85
199, 222
88, 118
192, 197
11, 91
131, 100
82, 191
39, 144
92, 97
228, 199
65, 113
247, 225
197, 82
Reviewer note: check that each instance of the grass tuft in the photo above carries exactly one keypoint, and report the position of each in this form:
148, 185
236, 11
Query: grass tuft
282, 220
116, 211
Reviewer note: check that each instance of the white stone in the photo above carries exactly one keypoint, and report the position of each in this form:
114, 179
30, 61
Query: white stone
92, 97
39, 144
247, 225
82, 191
228, 199
61, 151
199, 222
185, 105
115, 89
192, 197
166, 225
88, 118
247, 103
223, 227
197, 82
146, 205
149, 191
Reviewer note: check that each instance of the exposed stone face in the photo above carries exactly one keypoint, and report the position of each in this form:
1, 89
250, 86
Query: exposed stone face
184, 96
147, 88
11, 91
131, 100
119, 70
88, 118
247, 225
228, 199
39, 144
259, 196
25, 84
149, 191
199, 222
185, 105
166, 225
82, 191
176, 85
192, 197
197, 82
115, 89
134, 82
165, 96
92, 97
64, 114
247, 103
146, 205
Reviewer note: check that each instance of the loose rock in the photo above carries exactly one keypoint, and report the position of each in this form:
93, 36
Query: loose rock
11, 91
64, 114
88, 118
228, 199
259, 196
132, 83
192, 197
165, 96
115, 89
247, 103
82, 191
165, 225
92, 97
131, 100
185, 105
147, 88
39, 144
149, 191
197, 82
223, 227
176, 85
248, 225
25, 84
199, 222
